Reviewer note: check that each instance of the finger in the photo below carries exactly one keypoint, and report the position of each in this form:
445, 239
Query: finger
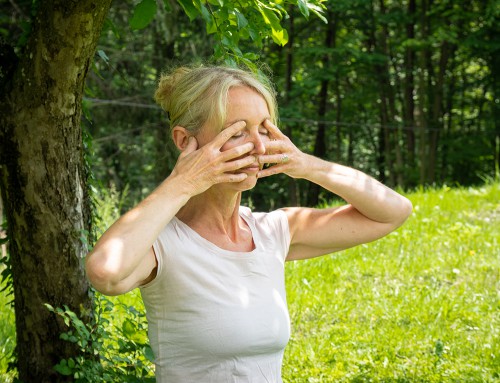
238, 164
227, 133
273, 146
281, 158
276, 169
273, 129
237, 151
231, 177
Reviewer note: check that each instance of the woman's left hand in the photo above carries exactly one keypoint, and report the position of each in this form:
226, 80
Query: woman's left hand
282, 154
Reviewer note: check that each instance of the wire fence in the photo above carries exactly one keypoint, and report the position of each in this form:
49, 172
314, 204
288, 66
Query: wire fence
103, 102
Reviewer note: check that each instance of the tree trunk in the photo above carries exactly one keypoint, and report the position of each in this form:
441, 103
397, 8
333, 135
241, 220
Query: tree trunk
387, 99
423, 94
436, 122
409, 86
320, 144
293, 192
43, 179
494, 62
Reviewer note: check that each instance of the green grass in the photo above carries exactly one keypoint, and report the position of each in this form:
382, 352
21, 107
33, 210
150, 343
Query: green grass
421, 305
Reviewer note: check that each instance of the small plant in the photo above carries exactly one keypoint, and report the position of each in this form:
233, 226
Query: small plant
112, 349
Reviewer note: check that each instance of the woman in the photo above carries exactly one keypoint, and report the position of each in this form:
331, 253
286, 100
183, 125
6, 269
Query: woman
210, 270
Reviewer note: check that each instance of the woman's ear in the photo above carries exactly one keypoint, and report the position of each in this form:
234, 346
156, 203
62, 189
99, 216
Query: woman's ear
180, 136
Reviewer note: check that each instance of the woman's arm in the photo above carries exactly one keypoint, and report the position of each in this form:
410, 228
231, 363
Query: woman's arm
123, 258
373, 210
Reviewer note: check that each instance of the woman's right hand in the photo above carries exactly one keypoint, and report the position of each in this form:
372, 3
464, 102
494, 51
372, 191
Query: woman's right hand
200, 168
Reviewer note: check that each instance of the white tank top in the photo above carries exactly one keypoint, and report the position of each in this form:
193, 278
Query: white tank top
218, 316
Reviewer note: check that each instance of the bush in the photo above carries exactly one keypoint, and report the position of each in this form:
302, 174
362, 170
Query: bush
114, 345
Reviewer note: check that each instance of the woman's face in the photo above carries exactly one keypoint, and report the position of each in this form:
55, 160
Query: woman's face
244, 104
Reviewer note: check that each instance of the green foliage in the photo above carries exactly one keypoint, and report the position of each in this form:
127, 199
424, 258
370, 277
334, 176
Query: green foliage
114, 345
144, 13
6, 281
234, 21
7, 327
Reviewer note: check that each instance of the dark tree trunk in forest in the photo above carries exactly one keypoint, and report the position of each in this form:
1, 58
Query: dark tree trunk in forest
409, 86
423, 93
494, 62
393, 160
320, 143
436, 120
43, 178
293, 193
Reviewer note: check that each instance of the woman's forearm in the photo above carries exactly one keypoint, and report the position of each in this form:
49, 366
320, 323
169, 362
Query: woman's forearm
371, 198
122, 248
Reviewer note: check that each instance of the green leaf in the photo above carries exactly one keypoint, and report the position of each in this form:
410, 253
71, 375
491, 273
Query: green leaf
144, 13
189, 8
128, 328
63, 368
318, 12
280, 36
206, 14
303, 8
270, 17
148, 353
242, 21
211, 27
251, 56
254, 33
103, 56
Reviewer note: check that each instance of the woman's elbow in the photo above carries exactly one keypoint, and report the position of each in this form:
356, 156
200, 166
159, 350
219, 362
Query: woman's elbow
102, 278
404, 211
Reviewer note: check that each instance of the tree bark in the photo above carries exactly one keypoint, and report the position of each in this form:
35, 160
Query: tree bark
423, 93
436, 121
293, 192
43, 179
409, 86
320, 142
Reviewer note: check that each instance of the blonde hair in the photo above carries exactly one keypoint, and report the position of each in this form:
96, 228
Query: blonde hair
194, 96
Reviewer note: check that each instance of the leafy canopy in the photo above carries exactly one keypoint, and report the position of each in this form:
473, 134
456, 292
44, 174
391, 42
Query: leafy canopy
235, 20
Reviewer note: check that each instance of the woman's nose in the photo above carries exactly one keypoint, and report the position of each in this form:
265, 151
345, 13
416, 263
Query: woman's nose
258, 142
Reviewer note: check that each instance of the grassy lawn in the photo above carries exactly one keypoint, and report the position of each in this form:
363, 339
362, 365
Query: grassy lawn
421, 305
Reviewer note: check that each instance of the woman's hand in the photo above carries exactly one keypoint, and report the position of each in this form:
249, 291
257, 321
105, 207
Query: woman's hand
201, 168
282, 154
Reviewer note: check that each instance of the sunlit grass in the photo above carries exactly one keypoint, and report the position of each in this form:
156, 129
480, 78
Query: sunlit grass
421, 305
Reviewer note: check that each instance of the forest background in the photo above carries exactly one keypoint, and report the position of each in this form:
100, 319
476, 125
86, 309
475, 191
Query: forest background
405, 91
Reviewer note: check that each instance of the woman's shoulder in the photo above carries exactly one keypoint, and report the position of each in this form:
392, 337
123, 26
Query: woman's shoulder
274, 217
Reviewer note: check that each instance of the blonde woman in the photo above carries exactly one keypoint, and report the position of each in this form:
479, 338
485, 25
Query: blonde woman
211, 272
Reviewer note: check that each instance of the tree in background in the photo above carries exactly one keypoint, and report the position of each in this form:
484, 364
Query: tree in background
43, 177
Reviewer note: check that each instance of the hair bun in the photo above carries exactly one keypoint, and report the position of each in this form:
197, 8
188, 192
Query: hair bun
167, 85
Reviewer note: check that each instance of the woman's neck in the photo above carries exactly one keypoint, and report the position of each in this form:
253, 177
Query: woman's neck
213, 211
